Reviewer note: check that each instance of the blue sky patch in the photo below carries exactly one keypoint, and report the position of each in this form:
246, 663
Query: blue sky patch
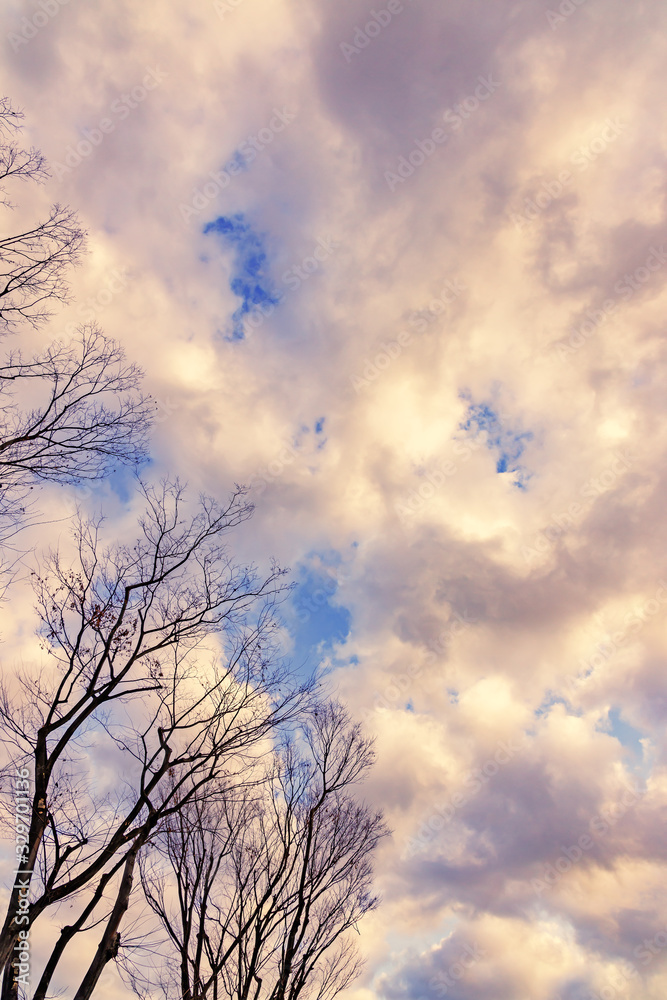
123, 483
250, 279
237, 162
627, 735
316, 622
319, 428
639, 758
507, 443
554, 699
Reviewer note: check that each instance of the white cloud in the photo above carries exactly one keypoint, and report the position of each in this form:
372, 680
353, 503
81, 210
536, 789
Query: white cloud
237, 410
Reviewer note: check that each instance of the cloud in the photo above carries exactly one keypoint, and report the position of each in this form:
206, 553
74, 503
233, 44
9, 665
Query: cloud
249, 279
520, 417
510, 445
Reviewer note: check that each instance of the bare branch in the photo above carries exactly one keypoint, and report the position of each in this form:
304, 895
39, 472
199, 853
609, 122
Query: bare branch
270, 880
34, 262
90, 418
123, 629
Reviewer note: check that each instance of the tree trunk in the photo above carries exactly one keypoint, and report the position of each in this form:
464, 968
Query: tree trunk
108, 946
10, 986
66, 935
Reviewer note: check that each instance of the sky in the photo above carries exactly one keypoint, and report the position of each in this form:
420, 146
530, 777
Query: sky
402, 268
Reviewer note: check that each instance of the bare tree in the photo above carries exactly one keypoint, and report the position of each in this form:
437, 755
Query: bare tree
87, 415
69, 414
257, 892
15, 161
34, 261
125, 630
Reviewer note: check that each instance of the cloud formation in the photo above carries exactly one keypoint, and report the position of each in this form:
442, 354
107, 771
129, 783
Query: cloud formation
477, 528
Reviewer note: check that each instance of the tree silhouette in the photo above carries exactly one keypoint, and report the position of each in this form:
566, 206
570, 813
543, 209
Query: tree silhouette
33, 262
